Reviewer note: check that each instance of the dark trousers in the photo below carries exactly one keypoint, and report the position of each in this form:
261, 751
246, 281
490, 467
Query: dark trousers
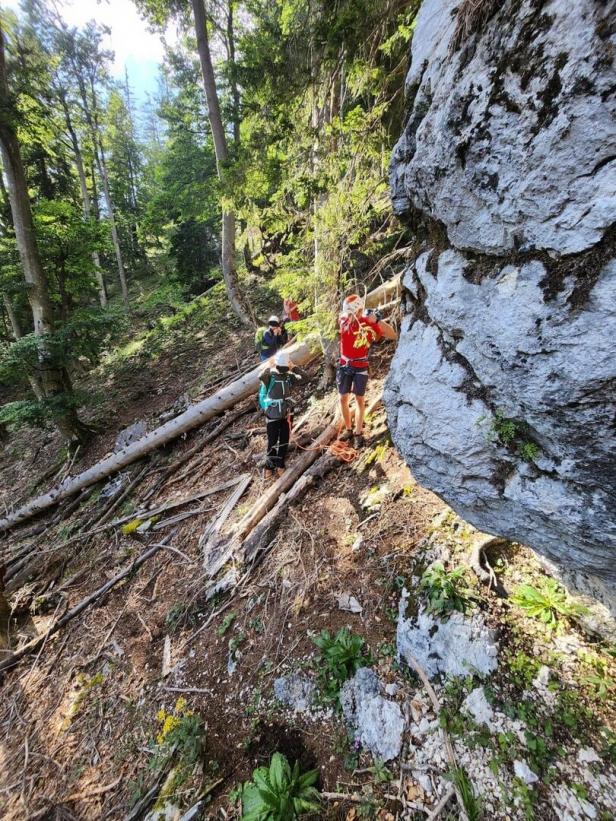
278, 431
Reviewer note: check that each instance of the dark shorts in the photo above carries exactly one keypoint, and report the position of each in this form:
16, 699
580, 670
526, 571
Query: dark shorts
351, 380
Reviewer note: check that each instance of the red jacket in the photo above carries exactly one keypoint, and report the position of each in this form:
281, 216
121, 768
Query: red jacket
357, 333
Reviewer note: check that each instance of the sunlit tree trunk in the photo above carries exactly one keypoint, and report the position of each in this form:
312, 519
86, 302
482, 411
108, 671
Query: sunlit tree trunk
220, 148
85, 195
101, 162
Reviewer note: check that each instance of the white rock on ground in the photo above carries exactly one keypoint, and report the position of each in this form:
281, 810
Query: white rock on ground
296, 691
130, 434
570, 807
476, 705
377, 722
508, 153
524, 772
456, 647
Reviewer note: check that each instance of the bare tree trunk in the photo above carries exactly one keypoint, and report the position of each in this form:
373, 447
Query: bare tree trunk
102, 169
220, 148
235, 92
85, 195
91, 114
55, 379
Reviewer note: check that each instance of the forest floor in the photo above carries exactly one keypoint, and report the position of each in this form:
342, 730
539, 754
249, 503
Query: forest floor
86, 722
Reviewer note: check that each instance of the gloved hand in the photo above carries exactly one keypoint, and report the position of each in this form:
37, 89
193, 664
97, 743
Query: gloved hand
373, 317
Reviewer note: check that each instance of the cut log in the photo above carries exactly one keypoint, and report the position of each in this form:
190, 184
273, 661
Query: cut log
222, 549
212, 531
301, 353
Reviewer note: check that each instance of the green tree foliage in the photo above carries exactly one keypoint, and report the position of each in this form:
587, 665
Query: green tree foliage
311, 96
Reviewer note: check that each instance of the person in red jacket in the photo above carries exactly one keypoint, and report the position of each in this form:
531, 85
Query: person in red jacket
358, 330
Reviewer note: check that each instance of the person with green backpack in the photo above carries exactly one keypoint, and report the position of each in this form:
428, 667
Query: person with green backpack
268, 341
274, 398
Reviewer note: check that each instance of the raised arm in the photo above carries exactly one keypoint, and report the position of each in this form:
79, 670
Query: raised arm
386, 330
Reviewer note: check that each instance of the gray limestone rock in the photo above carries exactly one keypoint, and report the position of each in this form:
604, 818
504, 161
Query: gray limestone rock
510, 139
130, 434
296, 691
456, 647
377, 722
509, 153
476, 705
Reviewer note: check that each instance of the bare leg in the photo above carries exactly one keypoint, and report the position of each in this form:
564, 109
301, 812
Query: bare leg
345, 410
361, 412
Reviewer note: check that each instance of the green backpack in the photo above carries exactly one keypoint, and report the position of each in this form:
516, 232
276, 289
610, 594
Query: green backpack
259, 334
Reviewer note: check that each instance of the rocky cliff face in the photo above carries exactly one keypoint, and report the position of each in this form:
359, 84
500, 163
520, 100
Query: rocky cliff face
502, 394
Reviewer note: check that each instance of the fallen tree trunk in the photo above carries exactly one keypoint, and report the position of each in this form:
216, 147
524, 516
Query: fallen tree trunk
34, 645
301, 353
221, 550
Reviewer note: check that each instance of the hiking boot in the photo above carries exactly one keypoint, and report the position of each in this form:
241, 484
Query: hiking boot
268, 473
358, 441
346, 435
280, 471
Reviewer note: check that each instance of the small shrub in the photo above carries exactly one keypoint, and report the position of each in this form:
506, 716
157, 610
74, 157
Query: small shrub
279, 793
445, 590
181, 735
547, 602
341, 656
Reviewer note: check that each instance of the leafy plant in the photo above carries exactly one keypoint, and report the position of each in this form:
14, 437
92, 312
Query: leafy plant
227, 622
181, 735
279, 792
341, 656
608, 745
547, 602
528, 451
380, 772
505, 429
597, 677
523, 669
471, 802
445, 590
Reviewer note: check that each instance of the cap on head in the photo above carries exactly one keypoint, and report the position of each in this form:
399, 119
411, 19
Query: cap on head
273, 321
282, 359
353, 304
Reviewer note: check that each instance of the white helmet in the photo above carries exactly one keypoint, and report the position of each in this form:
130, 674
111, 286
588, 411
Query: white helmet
273, 320
353, 304
282, 359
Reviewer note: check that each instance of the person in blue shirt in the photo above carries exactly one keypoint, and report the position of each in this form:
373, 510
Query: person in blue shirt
273, 339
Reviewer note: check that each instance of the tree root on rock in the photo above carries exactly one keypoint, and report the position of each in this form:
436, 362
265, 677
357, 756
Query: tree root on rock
480, 565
